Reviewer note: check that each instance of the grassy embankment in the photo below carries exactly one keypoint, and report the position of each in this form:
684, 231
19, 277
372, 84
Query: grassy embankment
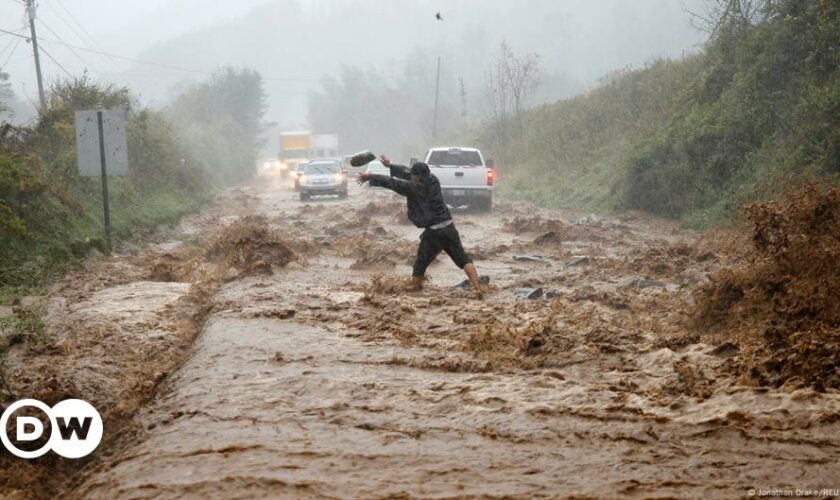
51, 218
697, 137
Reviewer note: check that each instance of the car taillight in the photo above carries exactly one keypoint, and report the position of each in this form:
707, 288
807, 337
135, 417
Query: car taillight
491, 176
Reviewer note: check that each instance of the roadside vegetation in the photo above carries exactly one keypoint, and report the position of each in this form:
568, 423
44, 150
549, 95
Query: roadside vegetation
695, 138
51, 218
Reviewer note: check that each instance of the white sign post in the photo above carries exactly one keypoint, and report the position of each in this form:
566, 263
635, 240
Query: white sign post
101, 149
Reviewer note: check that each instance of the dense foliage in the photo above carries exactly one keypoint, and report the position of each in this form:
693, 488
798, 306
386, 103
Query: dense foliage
220, 121
694, 138
50, 217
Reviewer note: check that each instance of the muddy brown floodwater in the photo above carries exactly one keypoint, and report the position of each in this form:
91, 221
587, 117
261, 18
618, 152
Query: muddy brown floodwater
324, 378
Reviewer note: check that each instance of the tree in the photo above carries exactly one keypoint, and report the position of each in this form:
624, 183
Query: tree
221, 120
384, 109
510, 85
6, 93
720, 16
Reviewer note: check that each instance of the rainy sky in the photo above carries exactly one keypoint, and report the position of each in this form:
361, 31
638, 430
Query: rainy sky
165, 44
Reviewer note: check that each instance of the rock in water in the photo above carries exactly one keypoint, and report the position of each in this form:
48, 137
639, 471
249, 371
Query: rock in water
528, 293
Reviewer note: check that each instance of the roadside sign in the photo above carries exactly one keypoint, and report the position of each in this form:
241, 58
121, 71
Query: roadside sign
101, 149
87, 142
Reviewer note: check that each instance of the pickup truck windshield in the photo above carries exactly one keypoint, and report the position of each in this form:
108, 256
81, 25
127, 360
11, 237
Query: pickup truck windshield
458, 158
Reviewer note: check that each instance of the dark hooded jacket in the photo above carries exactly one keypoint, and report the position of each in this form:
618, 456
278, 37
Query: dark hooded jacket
425, 201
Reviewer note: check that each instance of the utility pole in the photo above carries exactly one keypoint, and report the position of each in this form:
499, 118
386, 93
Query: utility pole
30, 8
437, 93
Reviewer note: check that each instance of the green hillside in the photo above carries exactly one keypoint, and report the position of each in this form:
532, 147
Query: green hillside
51, 218
693, 138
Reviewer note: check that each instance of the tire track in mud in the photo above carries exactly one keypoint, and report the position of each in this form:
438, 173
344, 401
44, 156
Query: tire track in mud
318, 382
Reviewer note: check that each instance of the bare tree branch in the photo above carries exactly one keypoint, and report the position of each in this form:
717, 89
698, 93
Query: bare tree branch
510, 84
718, 15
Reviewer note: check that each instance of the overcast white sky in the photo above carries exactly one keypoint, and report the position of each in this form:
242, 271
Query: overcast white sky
123, 27
578, 39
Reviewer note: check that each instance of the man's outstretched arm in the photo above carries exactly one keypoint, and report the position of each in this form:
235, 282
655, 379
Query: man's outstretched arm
398, 171
396, 185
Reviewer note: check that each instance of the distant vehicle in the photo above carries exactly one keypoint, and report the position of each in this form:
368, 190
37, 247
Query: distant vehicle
272, 167
303, 145
297, 171
345, 163
323, 177
294, 148
465, 178
377, 167
323, 146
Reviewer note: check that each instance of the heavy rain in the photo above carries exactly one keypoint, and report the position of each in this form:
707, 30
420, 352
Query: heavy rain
419, 249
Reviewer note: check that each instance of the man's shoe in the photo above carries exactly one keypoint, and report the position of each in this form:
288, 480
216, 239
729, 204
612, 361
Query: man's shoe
483, 280
414, 284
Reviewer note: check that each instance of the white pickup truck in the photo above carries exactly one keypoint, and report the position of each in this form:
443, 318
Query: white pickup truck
465, 178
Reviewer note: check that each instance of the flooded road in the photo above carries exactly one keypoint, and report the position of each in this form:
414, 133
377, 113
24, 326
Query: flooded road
326, 378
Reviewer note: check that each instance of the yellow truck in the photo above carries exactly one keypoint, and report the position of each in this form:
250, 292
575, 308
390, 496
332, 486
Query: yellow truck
297, 148
294, 149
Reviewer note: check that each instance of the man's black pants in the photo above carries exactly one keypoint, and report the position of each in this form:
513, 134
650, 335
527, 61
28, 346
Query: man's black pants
432, 241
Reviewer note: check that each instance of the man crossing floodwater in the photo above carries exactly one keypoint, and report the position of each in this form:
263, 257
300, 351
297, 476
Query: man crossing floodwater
427, 210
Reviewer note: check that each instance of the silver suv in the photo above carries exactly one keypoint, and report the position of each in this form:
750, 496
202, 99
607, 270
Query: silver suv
323, 177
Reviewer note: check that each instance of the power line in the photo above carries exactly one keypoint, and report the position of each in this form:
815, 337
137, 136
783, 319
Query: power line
6, 62
73, 18
65, 22
162, 65
138, 61
89, 41
169, 66
13, 40
85, 31
62, 42
17, 32
148, 63
186, 70
12, 33
56, 62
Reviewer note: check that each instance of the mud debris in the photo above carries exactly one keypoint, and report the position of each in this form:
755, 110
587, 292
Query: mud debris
551, 229
635, 281
250, 246
114, 332
781, 306
549, 238
374, 208
383, 284
612, 384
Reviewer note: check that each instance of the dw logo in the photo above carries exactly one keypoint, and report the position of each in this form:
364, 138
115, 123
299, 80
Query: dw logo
75, 429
